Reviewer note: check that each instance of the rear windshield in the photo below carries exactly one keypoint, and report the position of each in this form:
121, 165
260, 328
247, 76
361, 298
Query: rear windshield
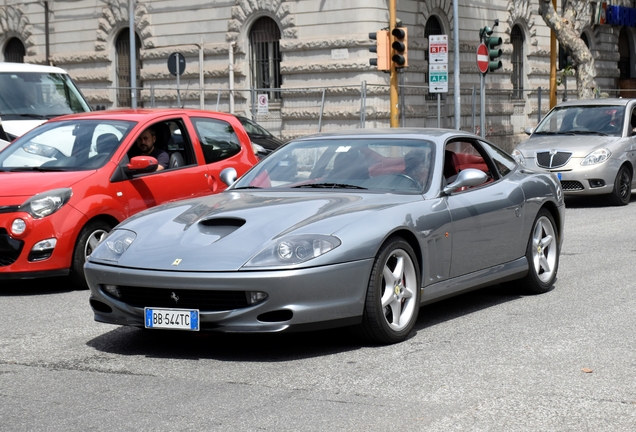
25, 95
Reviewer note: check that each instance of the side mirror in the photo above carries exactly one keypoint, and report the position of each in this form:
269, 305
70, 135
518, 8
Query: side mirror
142, 164
228, 176
468, 177
528, 130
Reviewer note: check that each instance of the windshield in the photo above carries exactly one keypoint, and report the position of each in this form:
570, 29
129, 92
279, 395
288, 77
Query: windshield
374, 164
25, 95
71, 145
575, 120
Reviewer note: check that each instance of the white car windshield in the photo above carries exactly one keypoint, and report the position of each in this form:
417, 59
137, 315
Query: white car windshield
71, 145
592, 120
38, 95
382, 165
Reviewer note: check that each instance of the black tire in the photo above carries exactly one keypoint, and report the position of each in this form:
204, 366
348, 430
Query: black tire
393, 294
543, 255
622, 192
89, 237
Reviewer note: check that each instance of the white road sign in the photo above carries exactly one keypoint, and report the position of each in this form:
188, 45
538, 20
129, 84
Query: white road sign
263, 104
438, 49
437, 78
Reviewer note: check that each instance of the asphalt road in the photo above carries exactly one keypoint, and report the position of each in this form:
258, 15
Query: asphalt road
491, 360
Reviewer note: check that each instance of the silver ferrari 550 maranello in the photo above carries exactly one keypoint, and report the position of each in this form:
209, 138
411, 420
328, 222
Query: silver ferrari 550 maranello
337, 229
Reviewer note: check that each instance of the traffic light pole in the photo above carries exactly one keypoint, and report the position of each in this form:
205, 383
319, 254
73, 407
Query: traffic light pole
393, 112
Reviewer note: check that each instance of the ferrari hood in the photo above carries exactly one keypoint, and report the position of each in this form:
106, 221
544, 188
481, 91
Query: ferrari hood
579, 145
222, 232
26, 184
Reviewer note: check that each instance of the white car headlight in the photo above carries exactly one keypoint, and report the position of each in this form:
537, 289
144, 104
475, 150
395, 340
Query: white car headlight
294, 249
596, 157
518, 156
47, 203
113, 245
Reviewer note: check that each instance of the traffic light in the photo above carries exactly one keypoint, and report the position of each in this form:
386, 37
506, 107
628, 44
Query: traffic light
494, 52
381, 47
400, 47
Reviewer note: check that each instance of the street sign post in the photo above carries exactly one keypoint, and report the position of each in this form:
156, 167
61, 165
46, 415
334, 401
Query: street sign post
482, 58
438, 78
438, 68
176, 66
438, 49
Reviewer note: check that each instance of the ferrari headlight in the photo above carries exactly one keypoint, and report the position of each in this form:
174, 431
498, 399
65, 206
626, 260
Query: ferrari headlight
518, 156
113, 246
47, 203
596, 157
294, 250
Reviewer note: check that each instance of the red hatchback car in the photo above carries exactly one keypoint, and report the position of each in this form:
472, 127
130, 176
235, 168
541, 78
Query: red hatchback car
67, 183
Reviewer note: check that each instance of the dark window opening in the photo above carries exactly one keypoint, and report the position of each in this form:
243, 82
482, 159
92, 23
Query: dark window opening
14, 51
122, 48
516, 39
265, 57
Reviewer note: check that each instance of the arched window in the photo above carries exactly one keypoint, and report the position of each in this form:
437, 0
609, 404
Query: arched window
14, 51
122, 48
265, 56
625, 61
432, 27
516, 39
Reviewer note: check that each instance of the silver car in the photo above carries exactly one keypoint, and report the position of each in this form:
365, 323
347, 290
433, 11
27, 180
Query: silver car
589, 144
349, 229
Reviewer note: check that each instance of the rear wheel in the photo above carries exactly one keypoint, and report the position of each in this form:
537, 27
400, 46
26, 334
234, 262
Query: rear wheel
89, 238
622, 192
393, 294
542, 254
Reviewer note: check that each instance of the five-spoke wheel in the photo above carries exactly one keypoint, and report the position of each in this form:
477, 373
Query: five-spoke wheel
393, 295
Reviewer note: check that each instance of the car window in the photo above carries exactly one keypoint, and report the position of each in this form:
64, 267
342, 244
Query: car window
172, 145
586, 119
463, 154
386, 165
503, 161
68, 145
218, 139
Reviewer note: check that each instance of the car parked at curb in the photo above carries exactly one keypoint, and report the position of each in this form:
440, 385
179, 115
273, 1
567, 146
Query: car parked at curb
68, 182
262, 140
358, 228
589, 144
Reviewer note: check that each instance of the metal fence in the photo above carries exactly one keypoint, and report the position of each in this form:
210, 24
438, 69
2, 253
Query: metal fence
302, 111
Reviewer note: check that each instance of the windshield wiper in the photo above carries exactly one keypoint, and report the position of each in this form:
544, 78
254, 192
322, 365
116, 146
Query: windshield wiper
35, 116
578, 132
247, 187
330, 186
39, 169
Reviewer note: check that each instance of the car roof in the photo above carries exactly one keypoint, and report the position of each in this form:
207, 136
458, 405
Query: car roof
596, 102
411, 133
27, 67
140, 114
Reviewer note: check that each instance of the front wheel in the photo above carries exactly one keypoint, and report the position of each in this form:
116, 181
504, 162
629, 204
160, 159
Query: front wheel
89, 238
393, 294
622, 192
542, 254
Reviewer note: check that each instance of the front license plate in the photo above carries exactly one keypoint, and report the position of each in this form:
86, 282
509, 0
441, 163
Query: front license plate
176, 319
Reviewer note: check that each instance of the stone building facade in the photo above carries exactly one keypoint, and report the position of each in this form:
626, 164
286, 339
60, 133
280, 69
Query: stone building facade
310, 57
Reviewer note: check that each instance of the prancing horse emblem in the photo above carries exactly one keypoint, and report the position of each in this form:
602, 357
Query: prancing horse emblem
174, 297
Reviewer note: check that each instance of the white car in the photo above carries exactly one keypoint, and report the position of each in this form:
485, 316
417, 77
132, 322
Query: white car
589, 144
32, 94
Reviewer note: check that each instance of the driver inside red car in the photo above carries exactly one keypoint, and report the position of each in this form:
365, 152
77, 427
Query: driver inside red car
145, 146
